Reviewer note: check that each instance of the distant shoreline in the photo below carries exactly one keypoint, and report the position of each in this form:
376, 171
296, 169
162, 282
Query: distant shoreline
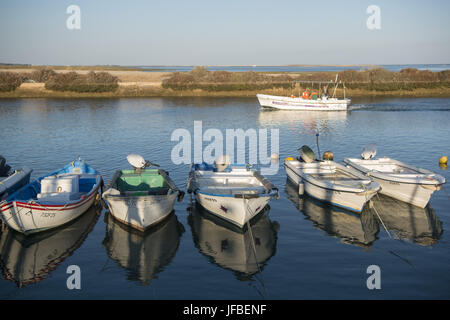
139, 83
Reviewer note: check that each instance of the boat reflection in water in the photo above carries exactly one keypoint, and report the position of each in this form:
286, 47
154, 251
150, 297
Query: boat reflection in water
408, 222
351, 228
405, 221
143, 254
309, 122
29, 259
232, 248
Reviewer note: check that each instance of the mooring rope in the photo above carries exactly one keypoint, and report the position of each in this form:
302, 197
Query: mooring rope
247, 208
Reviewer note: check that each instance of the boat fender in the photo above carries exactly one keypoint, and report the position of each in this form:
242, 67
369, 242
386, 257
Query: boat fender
301, 188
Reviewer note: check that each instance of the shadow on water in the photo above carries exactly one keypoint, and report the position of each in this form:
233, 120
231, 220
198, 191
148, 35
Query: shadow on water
30, 259
230, 247
142, 254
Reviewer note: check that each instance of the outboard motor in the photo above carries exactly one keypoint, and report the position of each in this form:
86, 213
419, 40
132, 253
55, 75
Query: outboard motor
4, 168
222, 162
369, 151
306, 154
139, 163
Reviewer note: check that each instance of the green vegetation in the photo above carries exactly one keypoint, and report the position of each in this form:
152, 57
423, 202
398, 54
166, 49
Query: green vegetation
200, 78
377, 79
91, 82
9, 81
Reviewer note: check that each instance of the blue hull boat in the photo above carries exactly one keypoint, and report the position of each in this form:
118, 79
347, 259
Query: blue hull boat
52, 200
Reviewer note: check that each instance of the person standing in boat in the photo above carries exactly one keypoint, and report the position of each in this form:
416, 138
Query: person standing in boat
305, 94
325, 92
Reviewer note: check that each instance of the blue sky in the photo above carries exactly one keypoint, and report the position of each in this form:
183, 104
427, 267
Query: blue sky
198, 32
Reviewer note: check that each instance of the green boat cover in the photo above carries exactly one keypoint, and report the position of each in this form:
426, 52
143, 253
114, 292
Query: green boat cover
141, 183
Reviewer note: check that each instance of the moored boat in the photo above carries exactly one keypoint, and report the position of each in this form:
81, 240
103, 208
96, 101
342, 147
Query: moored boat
232, 192
11, 180
141, 197
53, 199
330, 181
397, 179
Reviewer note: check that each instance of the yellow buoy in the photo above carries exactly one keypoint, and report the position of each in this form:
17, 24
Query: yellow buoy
289, 159
443, 160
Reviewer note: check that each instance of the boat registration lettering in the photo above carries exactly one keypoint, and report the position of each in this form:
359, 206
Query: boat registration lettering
210, 199
47, 215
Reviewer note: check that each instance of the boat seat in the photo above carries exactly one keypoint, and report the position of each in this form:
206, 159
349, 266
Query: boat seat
233, 190
58, 197
158, 191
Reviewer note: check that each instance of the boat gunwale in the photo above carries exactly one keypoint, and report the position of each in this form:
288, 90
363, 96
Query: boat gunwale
333, 186
419, 179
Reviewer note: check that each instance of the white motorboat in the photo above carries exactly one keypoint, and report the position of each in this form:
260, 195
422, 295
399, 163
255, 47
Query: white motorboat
330, 181
141, 197
234, 193
298, 103
397, 179
317, 100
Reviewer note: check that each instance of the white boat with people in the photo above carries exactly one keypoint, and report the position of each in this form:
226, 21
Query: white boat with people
141, 197
310, 100
234, 193
398, 180
330, 181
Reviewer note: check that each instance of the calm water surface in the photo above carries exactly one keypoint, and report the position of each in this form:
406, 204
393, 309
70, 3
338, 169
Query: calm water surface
304, 248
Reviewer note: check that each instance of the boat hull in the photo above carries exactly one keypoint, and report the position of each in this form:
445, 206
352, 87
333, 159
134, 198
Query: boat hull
287, 103
29, 217
400, 181
237, 211
347, 200
415, 194
141, 212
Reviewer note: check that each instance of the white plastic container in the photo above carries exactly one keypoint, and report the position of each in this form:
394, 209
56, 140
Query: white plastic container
58, 184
